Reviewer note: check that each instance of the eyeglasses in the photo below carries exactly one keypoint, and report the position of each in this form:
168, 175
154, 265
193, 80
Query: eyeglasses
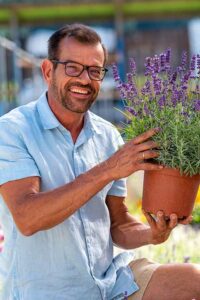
74, 69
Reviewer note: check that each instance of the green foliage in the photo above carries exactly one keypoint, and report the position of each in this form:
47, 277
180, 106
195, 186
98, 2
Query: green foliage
167, 98
196, 215
179, 142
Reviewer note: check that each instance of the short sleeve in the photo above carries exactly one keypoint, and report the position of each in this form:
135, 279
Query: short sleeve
118, 187
15, 160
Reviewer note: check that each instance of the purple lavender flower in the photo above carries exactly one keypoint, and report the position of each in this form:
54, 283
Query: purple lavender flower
198, 64
193, 63
175, 97
156, 64
168, 55
146, 90
184, 83
132, 66
197, 105
163, 64
173, 77
165, 87
157, 84
121, 89
115, 73
184, 61
131, 87
147, 112
162, 101
148, 66
131, 110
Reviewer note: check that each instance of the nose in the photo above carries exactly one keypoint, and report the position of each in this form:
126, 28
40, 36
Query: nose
84, 76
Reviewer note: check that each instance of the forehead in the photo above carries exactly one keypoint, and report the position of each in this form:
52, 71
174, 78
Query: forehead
71, 49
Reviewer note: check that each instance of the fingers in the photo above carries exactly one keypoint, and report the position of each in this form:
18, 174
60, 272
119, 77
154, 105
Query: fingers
186, 221
149, 166
160, 220
160, 226
149, 218
146, 149
173, 222
147, 145
145, 136
141, 156
134, 155
144, 164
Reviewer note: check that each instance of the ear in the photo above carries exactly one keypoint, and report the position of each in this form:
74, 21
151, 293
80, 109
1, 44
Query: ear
47, 69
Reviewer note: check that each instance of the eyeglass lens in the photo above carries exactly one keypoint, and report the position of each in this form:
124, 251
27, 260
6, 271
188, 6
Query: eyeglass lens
75, 69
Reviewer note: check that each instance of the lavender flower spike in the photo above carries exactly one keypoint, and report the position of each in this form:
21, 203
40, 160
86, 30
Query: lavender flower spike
193, 63
115, 73
197, 105
132, 66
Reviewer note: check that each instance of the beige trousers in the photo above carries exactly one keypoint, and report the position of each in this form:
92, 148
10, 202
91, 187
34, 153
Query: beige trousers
143, 270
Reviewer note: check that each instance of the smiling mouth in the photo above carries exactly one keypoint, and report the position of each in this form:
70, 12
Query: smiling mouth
79, 91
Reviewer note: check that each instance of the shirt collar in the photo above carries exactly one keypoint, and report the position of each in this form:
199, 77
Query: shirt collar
49, 120
47, 117
90, 123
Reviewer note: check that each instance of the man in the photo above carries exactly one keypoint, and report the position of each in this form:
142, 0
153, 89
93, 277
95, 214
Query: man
61, 176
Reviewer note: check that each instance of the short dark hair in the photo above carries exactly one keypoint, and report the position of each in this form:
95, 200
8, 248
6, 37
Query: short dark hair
80, 32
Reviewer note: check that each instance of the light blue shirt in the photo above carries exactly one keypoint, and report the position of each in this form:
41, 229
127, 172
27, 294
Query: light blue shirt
73, 260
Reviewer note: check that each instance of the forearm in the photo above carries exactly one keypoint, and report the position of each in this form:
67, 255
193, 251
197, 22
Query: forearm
131, 234
128, 233
43, 210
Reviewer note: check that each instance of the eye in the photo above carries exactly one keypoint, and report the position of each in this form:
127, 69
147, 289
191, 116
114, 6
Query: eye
95, 71
73, 68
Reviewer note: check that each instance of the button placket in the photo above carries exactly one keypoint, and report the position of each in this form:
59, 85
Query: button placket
88, 235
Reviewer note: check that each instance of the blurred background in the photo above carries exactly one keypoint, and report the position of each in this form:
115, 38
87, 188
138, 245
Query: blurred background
136, 28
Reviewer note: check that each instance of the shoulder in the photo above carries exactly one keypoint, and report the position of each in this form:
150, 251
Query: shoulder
19, 118
108, 130
102, 124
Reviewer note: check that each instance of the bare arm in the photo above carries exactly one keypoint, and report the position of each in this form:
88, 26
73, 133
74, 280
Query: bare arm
128, 233
33, 210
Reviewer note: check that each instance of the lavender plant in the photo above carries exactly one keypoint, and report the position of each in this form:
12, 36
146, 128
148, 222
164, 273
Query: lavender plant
168, 98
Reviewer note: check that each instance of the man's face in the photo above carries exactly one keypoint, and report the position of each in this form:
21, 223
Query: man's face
76, 94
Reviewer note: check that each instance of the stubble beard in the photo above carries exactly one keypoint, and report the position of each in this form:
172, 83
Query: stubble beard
71, 104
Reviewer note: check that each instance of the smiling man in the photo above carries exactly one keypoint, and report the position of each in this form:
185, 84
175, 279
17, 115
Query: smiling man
62, 186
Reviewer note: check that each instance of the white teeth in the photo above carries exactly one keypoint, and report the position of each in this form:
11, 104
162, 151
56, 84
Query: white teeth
79, 91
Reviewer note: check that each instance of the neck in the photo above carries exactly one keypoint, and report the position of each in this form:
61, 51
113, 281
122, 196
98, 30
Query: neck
70, 120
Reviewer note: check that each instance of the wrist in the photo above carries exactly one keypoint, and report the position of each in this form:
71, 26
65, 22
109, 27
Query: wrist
104, 172
112, 168
108, 170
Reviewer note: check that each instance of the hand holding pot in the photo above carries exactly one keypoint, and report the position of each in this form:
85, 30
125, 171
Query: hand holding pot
160, 228
133, 155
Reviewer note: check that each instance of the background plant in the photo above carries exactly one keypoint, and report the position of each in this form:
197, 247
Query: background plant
170, 99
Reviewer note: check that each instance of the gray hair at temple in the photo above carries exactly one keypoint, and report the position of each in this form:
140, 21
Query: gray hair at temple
80, 32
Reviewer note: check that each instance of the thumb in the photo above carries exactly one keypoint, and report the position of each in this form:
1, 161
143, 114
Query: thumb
149, 218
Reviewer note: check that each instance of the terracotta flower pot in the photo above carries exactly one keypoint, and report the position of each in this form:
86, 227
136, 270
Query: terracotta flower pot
167, 190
